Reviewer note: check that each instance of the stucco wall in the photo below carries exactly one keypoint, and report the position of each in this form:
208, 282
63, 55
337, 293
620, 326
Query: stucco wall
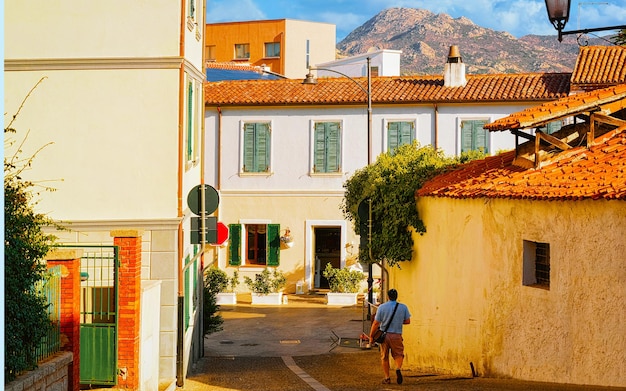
464, 289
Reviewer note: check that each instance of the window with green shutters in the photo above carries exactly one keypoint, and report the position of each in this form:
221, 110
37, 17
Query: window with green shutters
256, 147
190, 137
474, 136
327, 147
399, 133
261, 245
552, 127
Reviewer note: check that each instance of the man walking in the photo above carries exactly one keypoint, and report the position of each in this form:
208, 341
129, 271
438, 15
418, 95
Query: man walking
390, 317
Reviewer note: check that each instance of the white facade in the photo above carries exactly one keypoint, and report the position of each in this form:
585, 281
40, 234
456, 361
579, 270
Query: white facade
119, 111
292, 195
384, 62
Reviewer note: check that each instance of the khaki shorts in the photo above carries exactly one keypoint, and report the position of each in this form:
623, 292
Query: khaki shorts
393, 342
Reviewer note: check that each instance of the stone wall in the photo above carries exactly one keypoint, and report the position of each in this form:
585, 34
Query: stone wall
51, 375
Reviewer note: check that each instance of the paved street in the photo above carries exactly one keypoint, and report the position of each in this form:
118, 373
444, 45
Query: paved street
292, 348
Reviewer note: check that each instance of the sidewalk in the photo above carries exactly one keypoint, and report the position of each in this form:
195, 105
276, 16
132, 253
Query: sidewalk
292, 348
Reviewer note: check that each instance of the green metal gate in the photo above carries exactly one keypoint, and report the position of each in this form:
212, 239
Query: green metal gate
99, 267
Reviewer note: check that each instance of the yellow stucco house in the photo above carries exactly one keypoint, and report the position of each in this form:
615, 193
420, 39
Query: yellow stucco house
521, 271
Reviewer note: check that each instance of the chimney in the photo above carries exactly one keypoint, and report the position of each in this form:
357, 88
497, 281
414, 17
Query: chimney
454, 70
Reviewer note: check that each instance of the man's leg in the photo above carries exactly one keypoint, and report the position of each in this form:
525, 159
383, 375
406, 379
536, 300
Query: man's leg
385, 364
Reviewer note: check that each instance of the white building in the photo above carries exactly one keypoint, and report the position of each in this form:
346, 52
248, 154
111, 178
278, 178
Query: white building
283, 151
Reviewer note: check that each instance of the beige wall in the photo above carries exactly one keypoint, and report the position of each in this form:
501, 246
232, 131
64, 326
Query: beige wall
289, 210
464, 289
77, 29
322, 46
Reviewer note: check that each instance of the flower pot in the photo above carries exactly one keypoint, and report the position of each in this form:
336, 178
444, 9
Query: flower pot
268, 299
226, 298
343, 299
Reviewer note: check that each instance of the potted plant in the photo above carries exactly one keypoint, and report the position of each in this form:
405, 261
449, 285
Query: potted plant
224, 287
267, 287
344, 285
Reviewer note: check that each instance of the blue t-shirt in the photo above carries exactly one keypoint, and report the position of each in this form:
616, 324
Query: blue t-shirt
384, 314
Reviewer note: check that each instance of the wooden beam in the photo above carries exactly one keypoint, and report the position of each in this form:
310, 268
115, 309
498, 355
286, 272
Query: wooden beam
522, 134
607, 119
555, 141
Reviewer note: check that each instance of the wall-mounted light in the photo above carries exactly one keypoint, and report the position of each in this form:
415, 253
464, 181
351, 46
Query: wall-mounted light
558, 14
287, 239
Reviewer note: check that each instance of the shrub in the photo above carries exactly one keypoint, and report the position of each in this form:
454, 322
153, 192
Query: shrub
266, 282
343, 280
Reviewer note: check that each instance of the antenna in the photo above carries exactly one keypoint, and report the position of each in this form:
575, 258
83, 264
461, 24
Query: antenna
586, 2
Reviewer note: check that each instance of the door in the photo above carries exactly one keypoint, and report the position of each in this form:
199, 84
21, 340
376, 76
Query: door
327, 251
98, 315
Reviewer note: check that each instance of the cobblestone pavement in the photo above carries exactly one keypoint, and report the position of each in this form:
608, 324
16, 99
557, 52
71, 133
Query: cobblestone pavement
293, 347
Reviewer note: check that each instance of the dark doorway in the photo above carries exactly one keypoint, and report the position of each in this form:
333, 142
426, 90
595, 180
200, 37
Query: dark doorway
327, 250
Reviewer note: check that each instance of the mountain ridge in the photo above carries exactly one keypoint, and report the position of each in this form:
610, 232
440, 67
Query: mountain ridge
425, 38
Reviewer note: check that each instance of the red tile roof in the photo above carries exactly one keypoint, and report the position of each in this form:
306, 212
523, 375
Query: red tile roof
579, 173
538, 115
413, 89
599, 66
233, 66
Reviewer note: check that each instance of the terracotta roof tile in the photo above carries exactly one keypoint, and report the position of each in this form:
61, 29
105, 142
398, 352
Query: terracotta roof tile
580, 173
233, 66
599, 66
538, 115
414, 89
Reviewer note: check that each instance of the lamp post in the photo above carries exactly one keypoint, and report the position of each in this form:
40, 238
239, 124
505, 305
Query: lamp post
558, 14
310, 79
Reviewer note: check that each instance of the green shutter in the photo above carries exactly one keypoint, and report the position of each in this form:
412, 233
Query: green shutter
407, 133
273, 244
393, 136
327, 147
190, 121
234, 253
319, 148
333, 147
480, 137
466, 136
256, 147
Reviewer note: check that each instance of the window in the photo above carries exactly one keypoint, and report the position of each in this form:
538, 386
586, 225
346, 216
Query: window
473, 136
374, 71
189, 126
261, 244
552, 127
256, 147
210, 53
242, 51
191, 8
536, 264
272, 49
327, 147
399, 133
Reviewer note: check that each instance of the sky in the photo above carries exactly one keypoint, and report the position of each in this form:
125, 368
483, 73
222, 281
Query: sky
518, 17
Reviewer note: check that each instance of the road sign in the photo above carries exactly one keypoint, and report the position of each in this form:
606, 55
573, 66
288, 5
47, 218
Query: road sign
210, 234
211, 199
222, 234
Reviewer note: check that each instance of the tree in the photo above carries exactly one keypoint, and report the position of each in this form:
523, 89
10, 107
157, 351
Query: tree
26, 318
390, 183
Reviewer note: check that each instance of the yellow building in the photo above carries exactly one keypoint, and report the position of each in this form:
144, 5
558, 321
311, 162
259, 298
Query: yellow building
288, 47
521, 270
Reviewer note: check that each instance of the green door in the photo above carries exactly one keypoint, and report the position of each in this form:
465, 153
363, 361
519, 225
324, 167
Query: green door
98, 315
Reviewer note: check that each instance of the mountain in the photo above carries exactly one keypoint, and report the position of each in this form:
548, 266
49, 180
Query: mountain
425, 39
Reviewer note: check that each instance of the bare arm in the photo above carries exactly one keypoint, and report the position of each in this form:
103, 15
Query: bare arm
375, 325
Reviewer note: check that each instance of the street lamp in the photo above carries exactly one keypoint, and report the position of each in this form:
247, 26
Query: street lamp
310, 79
558, 14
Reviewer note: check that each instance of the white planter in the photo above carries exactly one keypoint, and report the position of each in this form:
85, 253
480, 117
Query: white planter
226, 298
269, 299
343, 299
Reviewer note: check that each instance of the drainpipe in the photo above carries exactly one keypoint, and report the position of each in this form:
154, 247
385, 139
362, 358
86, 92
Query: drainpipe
436, 136
180, 378
219, 148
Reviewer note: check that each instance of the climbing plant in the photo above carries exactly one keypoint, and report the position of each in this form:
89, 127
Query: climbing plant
390, 184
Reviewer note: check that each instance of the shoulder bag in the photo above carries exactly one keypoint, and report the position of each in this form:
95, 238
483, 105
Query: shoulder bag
379, 335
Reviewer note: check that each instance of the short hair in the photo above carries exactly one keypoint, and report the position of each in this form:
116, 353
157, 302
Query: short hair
393, 294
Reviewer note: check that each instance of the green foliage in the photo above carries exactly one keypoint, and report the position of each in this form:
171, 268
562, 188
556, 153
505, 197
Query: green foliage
390, 183
211, 320
343, 280
266, 282
216, 280
25, 245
